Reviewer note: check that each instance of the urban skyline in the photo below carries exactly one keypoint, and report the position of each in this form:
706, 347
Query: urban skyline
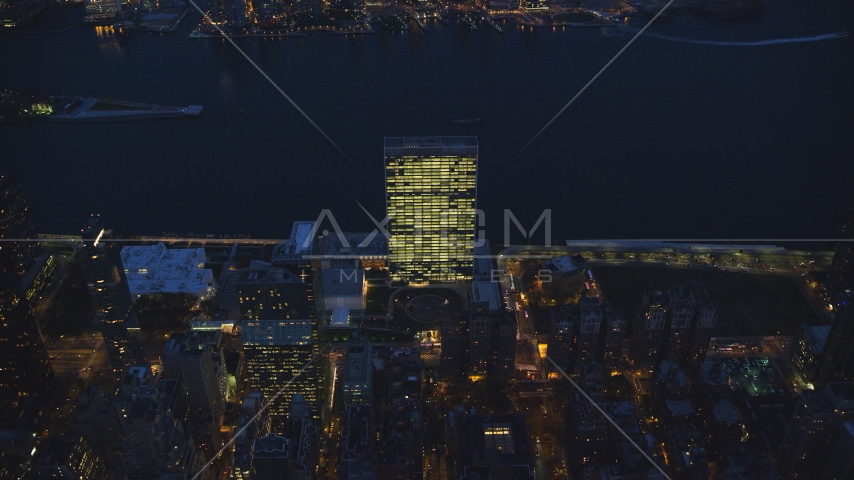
404, 280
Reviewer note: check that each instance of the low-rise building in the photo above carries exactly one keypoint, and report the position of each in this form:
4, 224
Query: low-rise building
154, 269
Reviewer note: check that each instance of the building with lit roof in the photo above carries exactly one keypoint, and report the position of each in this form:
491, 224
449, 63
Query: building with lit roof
431, 190
156, 269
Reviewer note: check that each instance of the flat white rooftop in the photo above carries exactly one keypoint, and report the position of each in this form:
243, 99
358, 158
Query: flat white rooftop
157, 269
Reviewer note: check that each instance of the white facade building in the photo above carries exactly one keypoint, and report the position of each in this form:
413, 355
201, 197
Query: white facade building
156, 269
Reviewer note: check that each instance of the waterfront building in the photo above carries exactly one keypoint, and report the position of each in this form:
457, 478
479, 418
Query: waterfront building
110, 295
102, 9
16, 226
156, 269
17, 13
228, 14
565, 283
431, 190
308, 8
358, 382
533, 6
25, 367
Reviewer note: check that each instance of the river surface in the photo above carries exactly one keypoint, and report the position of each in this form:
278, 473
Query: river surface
673, 140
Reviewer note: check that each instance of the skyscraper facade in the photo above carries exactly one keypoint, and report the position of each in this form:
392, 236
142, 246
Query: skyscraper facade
16, 225
25, 367
108, 288
838, 354
431, 188
279, 333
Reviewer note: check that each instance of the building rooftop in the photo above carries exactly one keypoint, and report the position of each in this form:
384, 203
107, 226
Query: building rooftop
726, 412
157, 269
680, 408
843, 394
426, 146
713, 373
672, 375
358, 362
391, 142
816, 337
343, 282
566, 265
298, 245
354, 245
271, 446
266, 275
288, 332
487, 291
484, 438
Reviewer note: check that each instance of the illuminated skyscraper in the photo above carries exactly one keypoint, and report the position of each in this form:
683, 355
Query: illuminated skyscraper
279, 333
431, 187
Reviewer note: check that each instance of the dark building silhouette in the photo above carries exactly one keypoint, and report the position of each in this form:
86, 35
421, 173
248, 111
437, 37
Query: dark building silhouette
70, 457
589, 326
25, 367
108, 288
587, 429
838, 353
615, 326
228, 14
492, 446
648, 333
814, 429
480, 342
561, 341
16, 225
842, 266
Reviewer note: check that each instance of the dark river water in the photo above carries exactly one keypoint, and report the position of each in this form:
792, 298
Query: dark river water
674, 140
